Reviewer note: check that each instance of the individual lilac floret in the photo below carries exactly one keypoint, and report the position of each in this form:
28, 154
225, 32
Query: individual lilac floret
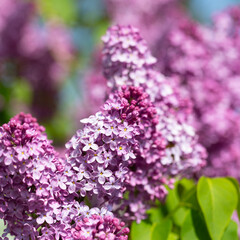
28, 163
171, 147
206, 62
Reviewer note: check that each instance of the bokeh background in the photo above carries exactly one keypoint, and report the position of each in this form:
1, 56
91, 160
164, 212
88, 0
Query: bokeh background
48, 50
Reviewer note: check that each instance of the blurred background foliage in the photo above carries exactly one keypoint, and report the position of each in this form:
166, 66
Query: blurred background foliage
86, 21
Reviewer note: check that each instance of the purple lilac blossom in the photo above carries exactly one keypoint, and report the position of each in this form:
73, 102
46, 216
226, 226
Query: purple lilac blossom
101, 153
27, 164
38, 190
45, 65
152, 17
127, 60
172, 146
78, 221
206, 62
41, 55
14, 15
99, 224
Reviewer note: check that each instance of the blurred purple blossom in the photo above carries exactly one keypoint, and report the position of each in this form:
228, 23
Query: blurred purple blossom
206, 60
40, 54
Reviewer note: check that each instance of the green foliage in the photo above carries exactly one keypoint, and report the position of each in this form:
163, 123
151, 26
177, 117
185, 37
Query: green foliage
231, 232
57, 129
161, 230
193, 211
156, 215
22, 92
218, 199
152, 230
141, 231
63, 11
194, 227
172, 203
236, 184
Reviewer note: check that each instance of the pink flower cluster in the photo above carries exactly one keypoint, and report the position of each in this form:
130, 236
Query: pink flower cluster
152, 17
39, 54
101, 153
206, 62
128, 61
99, 224
27, 163
37, 189
171, 147
89, 223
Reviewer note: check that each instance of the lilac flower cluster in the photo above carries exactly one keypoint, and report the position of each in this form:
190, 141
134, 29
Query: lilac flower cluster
101, 153
78, 221
27, 164
127, 60
206, 60
98, 224
40, 54
110, 153
37, 190
171, 147
152, 17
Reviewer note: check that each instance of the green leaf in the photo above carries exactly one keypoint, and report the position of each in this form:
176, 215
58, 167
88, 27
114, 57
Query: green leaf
187, 193
173, 236
177, 212
194, 227
155, 215
231, 232
218, 199
141, 231
160, 231
189, 199
184, 186
236, 184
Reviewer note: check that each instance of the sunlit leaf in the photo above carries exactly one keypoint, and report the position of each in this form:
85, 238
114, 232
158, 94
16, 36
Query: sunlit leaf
160, 231
141, 231
194, 227
231, 233
218, 199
